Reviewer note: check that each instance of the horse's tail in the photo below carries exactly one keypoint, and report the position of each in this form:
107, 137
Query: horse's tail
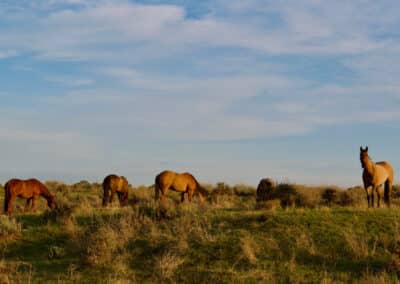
388, 191
388, 184
6, 196
105, 192
157, 188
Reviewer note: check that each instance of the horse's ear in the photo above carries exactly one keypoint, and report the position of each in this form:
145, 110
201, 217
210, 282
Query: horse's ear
366, 149
361, 149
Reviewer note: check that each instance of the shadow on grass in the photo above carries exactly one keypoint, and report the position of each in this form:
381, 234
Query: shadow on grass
31, 220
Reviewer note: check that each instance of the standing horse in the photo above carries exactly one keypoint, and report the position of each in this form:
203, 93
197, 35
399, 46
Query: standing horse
115, 184
29, 189
183, 183
374, 175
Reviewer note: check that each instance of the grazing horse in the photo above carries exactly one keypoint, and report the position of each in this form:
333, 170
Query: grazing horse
265, 189
29, 189
374, 175
115, 184
180, 182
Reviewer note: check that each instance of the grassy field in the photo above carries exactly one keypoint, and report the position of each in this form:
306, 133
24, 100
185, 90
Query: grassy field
317, 238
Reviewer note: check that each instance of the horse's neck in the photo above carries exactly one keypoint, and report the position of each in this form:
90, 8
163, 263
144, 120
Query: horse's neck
370, 167
45, 193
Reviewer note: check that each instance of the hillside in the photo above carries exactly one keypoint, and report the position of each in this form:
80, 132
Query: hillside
224, 240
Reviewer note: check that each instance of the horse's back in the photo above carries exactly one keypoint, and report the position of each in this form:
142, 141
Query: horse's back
386, 168
165, 177
386, 165
24, 187
176, 181
189, 178
115, 182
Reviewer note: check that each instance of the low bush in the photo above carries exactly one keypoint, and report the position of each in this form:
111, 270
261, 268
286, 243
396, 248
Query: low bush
10, 228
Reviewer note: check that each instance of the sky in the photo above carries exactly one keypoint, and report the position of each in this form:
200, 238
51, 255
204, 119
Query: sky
229, 90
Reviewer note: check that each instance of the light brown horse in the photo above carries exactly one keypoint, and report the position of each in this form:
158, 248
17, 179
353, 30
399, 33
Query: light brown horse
29, 189
180, 182
115, 184
374, 175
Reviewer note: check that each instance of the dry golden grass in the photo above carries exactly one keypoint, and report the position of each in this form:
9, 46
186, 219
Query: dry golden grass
10, 228
167, 264
314, 239
248, 249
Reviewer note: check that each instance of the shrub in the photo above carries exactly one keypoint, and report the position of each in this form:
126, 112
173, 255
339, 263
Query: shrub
223, 189
354, 196
55, 186
330, 196
244, 190
104, 240
82, 185
9, 227
286, 193
63, 210
269, 204
222, 196
167, 264
99, 246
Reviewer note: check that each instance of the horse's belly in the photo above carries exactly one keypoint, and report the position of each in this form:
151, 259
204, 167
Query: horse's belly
178, 189
25, 195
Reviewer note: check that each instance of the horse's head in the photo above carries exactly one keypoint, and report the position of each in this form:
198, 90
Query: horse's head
51, 201
364, 158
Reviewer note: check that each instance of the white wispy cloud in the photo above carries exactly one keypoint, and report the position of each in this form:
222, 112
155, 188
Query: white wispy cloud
126, 72
7, 53
70, 81
87, 33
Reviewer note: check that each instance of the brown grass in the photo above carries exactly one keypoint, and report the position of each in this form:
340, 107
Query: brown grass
10, 228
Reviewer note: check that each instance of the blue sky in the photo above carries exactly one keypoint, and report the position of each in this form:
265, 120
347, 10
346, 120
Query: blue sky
229, 90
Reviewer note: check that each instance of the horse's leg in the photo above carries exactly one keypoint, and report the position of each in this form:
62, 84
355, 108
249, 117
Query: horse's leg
190, 194
379, 195
164, 191
33, 207
27, 204
124, 198
112, 192
366, 188
182, 197
120, 197
10, 204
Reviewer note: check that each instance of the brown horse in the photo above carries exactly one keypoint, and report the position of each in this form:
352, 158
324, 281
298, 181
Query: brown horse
374, 175
115, 184
180, 182
29, 189
265, 189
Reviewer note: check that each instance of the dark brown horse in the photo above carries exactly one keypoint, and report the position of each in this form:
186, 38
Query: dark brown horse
115, 184
183, 183
29, 189
374, 175
265, 189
